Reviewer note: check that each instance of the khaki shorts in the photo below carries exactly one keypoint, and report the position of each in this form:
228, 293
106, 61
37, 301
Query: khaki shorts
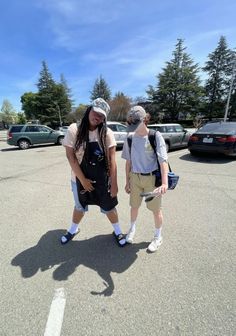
140, 183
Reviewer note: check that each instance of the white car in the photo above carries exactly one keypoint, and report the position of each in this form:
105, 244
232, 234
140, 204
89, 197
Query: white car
119, 131
63, 129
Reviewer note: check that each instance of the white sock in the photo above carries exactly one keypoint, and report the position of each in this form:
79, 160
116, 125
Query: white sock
117, 229
133, 226
158, 232
74, 228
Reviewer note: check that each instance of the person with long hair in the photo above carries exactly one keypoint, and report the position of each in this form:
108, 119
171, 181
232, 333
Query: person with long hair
90, 149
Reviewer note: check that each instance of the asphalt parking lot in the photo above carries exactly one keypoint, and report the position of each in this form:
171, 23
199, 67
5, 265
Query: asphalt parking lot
93, 287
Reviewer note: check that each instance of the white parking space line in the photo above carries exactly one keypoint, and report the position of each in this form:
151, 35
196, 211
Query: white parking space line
55, 317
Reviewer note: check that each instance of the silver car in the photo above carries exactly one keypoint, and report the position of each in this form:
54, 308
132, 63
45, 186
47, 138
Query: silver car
175, 135
119, 131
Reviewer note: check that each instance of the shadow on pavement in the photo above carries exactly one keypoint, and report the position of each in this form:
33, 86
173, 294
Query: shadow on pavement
207, 158
15, 148
100, 253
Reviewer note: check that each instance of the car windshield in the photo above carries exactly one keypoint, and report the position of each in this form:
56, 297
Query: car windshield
218, 128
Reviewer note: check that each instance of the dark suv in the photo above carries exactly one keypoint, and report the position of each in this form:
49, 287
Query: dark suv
26, 135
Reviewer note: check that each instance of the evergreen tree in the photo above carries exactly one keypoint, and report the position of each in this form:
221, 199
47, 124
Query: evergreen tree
219, 69
178, 89
48, 111
100, 90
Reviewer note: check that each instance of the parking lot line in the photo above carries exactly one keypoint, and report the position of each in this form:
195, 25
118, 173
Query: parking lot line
55, 317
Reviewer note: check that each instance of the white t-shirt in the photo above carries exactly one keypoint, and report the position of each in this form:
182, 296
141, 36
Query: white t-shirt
70, 140
142, 157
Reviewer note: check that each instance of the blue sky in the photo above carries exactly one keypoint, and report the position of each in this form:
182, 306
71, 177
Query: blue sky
125, 41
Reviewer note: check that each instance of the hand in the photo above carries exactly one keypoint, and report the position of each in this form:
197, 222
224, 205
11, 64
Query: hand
161, 190
127, 188
114, 190
87, 184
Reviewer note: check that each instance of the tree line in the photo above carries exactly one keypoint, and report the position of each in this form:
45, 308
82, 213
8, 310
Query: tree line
178, 93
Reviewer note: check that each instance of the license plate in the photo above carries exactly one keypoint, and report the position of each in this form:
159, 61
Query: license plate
207, 140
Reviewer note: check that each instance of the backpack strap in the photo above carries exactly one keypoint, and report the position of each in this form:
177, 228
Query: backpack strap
129, 140
152, 140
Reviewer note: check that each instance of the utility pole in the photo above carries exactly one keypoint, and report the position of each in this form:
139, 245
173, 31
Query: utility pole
59, 111
230, 90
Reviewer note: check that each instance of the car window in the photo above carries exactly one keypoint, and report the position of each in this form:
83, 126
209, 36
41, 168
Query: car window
178, 128
170, 129
121, 128
218, 127
44, 129
156, 128
16, 129
32, 129
112, 127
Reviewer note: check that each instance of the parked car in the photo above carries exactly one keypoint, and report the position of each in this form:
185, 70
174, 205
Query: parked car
215, 137
26, 135
63, 129
175, 135
119, 130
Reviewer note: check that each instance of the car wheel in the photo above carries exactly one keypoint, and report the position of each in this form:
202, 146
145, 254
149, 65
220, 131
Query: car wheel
23, 144
167, 147
194, 153
60, 140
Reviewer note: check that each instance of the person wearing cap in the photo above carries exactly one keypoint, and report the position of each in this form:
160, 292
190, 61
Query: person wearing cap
90, 149
141, 166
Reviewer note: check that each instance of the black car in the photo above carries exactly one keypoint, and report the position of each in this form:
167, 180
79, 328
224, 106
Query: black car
215, 137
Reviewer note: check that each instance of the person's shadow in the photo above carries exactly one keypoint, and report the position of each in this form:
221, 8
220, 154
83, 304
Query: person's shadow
98, 253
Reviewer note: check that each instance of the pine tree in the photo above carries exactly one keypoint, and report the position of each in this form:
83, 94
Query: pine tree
48, 111
219, 69
100, 90
178, 90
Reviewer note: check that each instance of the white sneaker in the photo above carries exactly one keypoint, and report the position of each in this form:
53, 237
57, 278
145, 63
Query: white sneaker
130, 236
155, 243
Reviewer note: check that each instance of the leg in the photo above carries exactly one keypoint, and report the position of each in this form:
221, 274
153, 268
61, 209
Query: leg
133, 217
158, 219
157, 240
78, 214
155, 207
113, 218
135, 201
74, 228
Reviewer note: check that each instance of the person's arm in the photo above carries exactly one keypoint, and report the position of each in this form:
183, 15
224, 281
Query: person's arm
86, 183
127, 171
162, 158
113, 171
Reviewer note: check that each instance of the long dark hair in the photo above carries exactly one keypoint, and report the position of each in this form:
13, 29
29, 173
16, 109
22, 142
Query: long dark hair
82, 138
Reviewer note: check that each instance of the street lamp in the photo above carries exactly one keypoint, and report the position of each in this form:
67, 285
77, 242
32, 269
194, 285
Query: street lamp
230, 91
